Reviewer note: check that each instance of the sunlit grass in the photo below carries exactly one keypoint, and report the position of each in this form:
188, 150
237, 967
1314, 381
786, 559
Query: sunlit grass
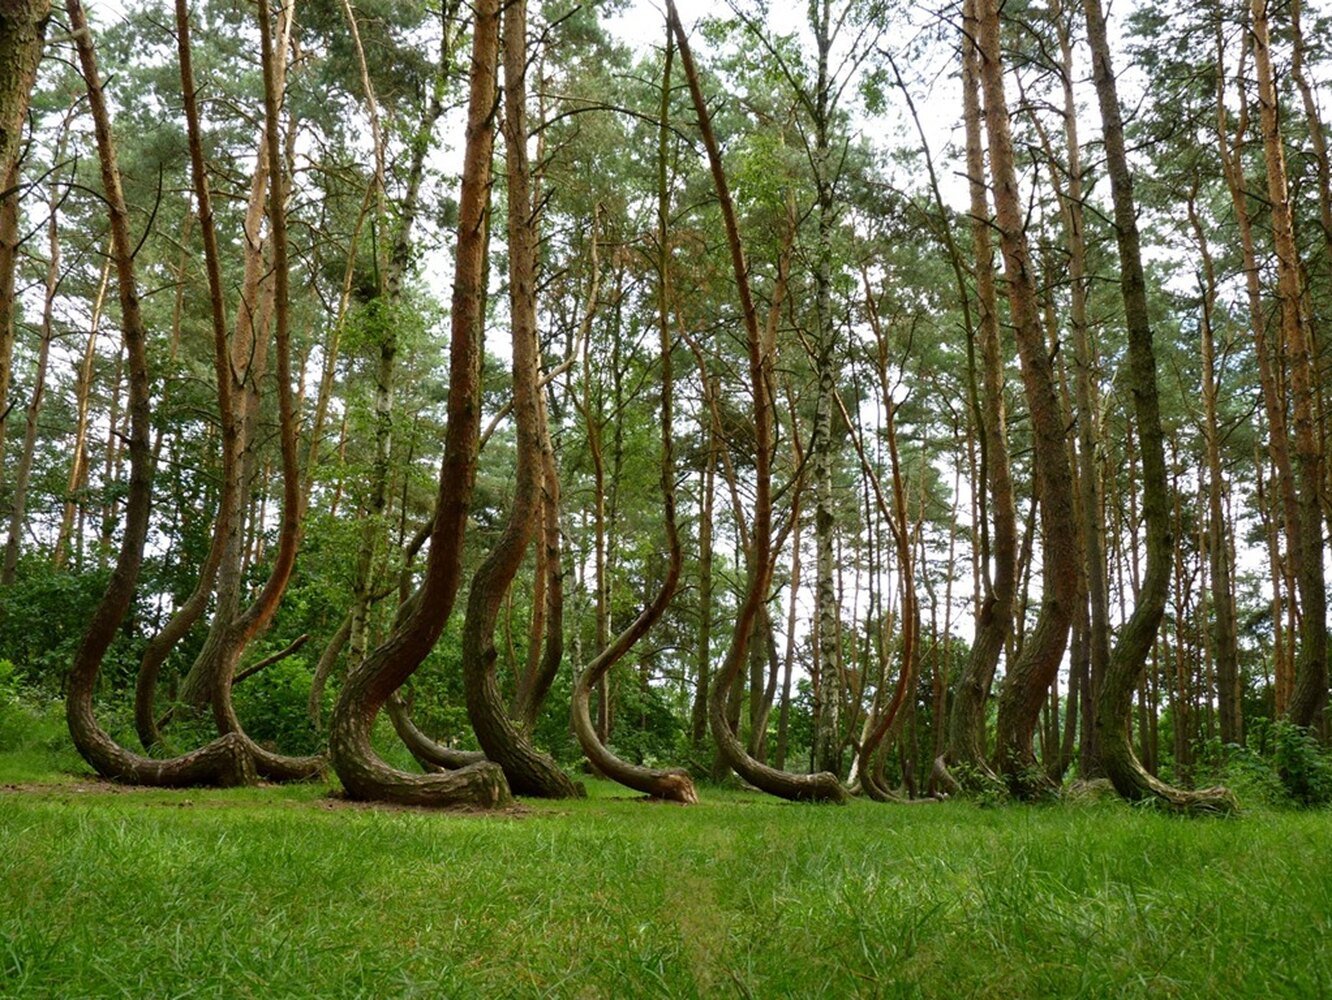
284, 892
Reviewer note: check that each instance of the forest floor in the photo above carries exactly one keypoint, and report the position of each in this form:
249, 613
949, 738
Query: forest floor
286, 892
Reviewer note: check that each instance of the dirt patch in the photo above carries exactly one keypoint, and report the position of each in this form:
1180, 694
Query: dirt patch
337, 802
83, 786
68, 791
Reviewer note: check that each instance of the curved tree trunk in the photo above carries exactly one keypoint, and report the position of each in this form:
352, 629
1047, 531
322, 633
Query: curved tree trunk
185, 617
363, 773
529, 771
1031, 674
225, 761
822, 786
247, 366
235, 634
890, 717
429, 753
1115, 699
672, 784
966, 723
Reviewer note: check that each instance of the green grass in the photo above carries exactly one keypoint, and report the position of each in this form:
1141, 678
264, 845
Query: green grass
282, 892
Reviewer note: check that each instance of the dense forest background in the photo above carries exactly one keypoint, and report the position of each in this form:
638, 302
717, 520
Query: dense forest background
881, 398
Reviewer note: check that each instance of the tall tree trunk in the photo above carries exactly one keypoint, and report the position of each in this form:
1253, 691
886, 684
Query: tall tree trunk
246, 368
529, 771
966, 724
22, 477
674, 784
827, 738
1225, 643
1310, 689
363, 773
886, 718
225, 761
386, 306
78, 463
788, 659
22, 35
703, 661
1286, 498
160, 646
824, 785
1030, 676
1138, 634
257, 617
1092, 523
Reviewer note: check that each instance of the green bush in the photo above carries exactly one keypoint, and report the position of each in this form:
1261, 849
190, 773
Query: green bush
1304, 766
1280, 764
273, 705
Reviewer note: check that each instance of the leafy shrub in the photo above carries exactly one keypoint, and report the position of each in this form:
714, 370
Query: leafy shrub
1279, 765
1245, 770
1304, 766
273, 707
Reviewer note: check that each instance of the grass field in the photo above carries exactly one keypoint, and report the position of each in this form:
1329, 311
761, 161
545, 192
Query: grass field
287, 892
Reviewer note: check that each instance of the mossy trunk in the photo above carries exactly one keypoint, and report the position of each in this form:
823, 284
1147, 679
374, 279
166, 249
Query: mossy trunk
1124, 671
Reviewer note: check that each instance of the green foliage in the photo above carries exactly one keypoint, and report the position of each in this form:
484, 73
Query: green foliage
1281, 764
42, 619
33, 739
1304, 765
273, 705
646, 730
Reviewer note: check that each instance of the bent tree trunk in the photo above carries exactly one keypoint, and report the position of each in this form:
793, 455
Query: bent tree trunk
529, 771
363, 773
259, 615
673, 784
965, 755
225, 761
823, 786
185, 617
429, 753
890, 718
1030, 676
1135, 641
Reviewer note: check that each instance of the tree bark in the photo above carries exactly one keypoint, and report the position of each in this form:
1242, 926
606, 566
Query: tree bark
966, 724
160, 646
225, 761
363, 773
675, 784
22, 35
1309, 694
822, 786
1092, 523
1225, 642
529, 771
256, 618
1030, 676
32, 412
1115, 699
